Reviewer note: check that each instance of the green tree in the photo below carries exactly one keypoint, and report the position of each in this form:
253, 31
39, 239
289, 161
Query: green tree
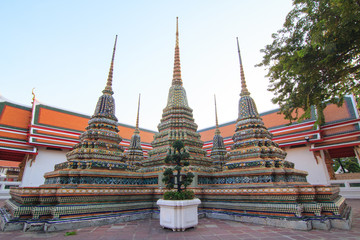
176, 156
346, 164
314, 59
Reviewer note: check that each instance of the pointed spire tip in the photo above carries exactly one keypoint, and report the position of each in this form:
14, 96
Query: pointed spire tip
244, 90
177, 69
137, 116
217, 130
108, 88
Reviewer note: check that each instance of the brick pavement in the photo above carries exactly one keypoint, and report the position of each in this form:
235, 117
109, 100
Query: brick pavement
208, 229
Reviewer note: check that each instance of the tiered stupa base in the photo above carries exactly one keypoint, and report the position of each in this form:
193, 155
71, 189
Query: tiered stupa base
76, 208
74, 198
49, 209
299, 207
273, 196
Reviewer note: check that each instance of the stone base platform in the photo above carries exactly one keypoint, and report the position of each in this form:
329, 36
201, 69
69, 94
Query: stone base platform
6, 224
306, 224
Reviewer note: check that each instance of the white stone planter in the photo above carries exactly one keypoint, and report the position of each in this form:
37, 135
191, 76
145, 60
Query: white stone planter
178, 215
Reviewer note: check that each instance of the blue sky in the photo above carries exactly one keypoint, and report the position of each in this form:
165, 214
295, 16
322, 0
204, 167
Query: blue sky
63, 50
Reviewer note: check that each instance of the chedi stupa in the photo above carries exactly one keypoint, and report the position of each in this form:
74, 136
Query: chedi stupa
100, 184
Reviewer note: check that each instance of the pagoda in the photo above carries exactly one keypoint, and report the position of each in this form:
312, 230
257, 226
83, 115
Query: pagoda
218, 152
253, 146
134, 154
177, 123
99, 144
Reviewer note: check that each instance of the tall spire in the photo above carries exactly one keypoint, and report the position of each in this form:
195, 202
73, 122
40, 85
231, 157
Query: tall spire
177, 32
218, 150
177, 70
244, 90
217, 130
108, 88
105, 106
137, 117
177, 123
134, 153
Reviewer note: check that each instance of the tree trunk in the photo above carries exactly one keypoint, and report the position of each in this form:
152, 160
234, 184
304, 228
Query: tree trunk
178, 181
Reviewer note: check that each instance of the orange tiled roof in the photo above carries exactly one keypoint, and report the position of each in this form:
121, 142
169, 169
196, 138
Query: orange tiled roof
60, 128
61, 119
15, 116
9, 164
14, 127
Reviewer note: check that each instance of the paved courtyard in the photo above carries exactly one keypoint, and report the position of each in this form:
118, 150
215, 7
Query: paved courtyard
208, 229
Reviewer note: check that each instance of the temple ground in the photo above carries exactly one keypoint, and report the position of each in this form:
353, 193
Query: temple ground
208, 229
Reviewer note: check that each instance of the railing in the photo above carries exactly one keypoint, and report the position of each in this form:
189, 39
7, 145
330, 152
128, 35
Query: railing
5, 188
349, 188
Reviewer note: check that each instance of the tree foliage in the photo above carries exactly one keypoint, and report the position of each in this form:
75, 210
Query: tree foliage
314, 59
176, 156
346, 165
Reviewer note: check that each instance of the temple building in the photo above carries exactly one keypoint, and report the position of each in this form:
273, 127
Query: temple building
79, 171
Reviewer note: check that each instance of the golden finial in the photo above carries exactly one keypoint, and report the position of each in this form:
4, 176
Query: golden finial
108, 88
217, 130
244, 90
33, 94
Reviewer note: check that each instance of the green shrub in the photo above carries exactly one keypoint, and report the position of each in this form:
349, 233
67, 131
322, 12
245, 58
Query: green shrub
183, 195
70, 233
177, 156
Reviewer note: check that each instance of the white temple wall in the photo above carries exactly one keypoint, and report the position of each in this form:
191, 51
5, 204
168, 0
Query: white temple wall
305, 160
45, 162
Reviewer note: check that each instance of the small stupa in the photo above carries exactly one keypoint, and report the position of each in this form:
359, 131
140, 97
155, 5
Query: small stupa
99, 145
134, 154
253, 146
218, 152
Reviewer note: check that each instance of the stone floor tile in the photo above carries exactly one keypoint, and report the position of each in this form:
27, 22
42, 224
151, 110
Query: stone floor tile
250, 238
210, 225
157, 238
299, 237
258, 235
194, 237
229, 237
208, 238
236, 231
176, 237
108, 236
275, 238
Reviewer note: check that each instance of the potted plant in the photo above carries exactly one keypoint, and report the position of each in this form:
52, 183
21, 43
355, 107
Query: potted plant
179, 208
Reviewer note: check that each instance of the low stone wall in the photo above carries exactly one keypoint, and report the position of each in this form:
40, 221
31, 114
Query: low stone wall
346, 176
